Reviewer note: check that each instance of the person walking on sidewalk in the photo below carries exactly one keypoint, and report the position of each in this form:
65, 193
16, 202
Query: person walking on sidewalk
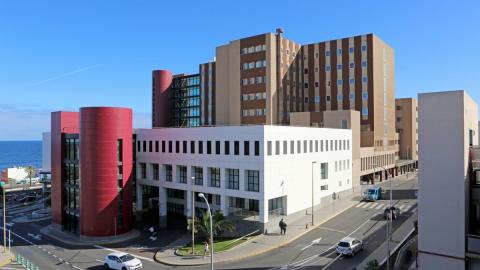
205, 249
283, 226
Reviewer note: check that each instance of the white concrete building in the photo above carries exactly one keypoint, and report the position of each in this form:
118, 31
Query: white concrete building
259, 171
447, 128
46, 152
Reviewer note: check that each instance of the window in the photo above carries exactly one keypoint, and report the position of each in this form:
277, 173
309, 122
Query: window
305, 150
156, 146
232, 179
340, 98
365, 95
364, 79
364, 63
321, 145
339, 66
328, 98
217, 147
214, 177
364, 48
398, 119
155, 172
227, 148
365, 111
285, 147
339, 51
168, 173
257, 148
182, 174
184, 147
253, 182
246, 148
327, 53
317, 99
192, 147
236, 148
316, 146
324, 170
200, 147
277, 147
292, 147
139, 149
344, 124
209, 147
350, 50
352, 81
324, 187
316, 84
143, 170
299, 147
340, 82
352, 96
306, 85
351, 65
177, 147
144, 146
269, 148
198, 176
306, 71
327, 68
163, 147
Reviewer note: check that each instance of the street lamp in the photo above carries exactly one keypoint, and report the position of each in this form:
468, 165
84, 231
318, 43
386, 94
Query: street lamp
2, 185
201, 195
313, 162
389, 222
193, 216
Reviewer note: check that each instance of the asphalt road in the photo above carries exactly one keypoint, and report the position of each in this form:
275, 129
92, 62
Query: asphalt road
314, 250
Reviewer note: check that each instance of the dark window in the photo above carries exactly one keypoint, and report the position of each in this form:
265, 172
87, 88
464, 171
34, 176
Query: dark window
143, 170
192, 147
184, 147
253, 182
215, 177
198, 175
182, 174
163, 146
168, 173
170, 146
177, 146
138, 146
156, 146
119, 150
236, 148
200, 147
246, 148
150, 146
257, 148
209, 147
232, 180
155, 172
217, 147
144, 146
227, 147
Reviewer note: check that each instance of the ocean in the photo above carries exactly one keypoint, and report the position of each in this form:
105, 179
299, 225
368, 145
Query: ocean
20, 153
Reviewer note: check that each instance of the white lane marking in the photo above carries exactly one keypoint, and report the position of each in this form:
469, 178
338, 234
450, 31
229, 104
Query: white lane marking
372, 205
407, 208
116, 250
314, 242
361, 204
379, 206
76, 267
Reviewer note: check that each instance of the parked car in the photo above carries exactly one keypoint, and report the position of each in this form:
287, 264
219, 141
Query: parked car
372, 194
122, 261
391, 211
349, 246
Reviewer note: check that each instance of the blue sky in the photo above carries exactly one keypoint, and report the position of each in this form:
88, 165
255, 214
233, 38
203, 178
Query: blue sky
62, 55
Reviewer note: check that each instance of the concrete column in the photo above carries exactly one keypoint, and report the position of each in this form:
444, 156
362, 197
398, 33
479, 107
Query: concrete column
139, 202
205, 176
241, 180
263, 205
224, 205
162, 207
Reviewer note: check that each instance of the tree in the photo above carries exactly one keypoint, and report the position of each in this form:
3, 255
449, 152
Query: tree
372, 265
30, 170
220, 224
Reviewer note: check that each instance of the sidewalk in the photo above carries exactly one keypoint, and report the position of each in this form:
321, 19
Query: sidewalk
266, 242
5, 258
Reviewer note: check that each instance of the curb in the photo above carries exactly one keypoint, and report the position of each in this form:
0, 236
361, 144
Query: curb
257, 252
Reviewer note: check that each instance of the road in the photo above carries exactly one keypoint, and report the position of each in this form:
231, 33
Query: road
311, 251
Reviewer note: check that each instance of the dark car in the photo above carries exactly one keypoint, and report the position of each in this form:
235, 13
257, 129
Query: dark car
391, 212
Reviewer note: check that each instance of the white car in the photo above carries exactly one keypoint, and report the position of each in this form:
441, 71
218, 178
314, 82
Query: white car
122, 261
349, 246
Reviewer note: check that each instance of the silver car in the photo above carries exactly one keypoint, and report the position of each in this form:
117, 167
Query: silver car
349, 246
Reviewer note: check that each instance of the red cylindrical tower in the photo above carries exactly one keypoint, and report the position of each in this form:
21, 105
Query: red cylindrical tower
161, 81
105, 171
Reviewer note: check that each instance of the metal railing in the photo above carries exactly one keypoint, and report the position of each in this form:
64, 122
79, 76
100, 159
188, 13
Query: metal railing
240, 212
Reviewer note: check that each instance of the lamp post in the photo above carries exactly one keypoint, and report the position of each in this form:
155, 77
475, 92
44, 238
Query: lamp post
313, 162
193, 216
389, 220
201, 195
2, 185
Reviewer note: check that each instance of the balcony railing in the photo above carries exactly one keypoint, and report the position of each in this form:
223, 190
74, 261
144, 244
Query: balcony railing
244, 213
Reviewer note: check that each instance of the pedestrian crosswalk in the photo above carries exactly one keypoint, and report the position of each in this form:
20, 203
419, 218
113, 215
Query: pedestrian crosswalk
384, 205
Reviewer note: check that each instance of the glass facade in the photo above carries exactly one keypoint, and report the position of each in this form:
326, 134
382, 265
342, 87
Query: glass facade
186, 101
71, 205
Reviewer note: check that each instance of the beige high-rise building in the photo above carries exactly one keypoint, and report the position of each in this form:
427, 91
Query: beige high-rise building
267, 79
406, 122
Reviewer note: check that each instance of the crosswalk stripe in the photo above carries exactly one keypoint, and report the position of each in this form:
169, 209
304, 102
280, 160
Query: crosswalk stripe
361, 204
402, 207
379, 206
373, 205
407, 208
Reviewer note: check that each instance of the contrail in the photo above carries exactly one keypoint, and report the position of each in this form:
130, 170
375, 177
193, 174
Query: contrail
63, 75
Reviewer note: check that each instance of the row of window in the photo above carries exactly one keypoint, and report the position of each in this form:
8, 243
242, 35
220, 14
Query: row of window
198, 147
252, 65
342, 165
254, 96
339, 82
339, 67
253, 49
328, 53
309, 146
254, 112
253, 80
327, 98
368, 163
231, 181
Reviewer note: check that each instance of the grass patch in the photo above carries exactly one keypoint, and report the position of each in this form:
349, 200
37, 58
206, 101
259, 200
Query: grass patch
220, 244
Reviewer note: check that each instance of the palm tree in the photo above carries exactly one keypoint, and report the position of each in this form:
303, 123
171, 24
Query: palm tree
30, 170
220, 224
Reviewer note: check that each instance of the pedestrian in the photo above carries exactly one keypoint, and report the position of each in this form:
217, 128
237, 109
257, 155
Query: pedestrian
205, 249
284, 228
281, 224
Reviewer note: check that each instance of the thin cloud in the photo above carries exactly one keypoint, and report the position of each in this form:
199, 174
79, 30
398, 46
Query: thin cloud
63, 75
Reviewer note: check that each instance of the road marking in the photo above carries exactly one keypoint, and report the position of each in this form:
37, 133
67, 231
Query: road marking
361, 204
332, 230
116, 250
314, 242
379, 206
407, 208
372, 205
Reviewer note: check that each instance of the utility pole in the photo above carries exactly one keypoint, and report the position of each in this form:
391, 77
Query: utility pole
2, 185
193, 216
